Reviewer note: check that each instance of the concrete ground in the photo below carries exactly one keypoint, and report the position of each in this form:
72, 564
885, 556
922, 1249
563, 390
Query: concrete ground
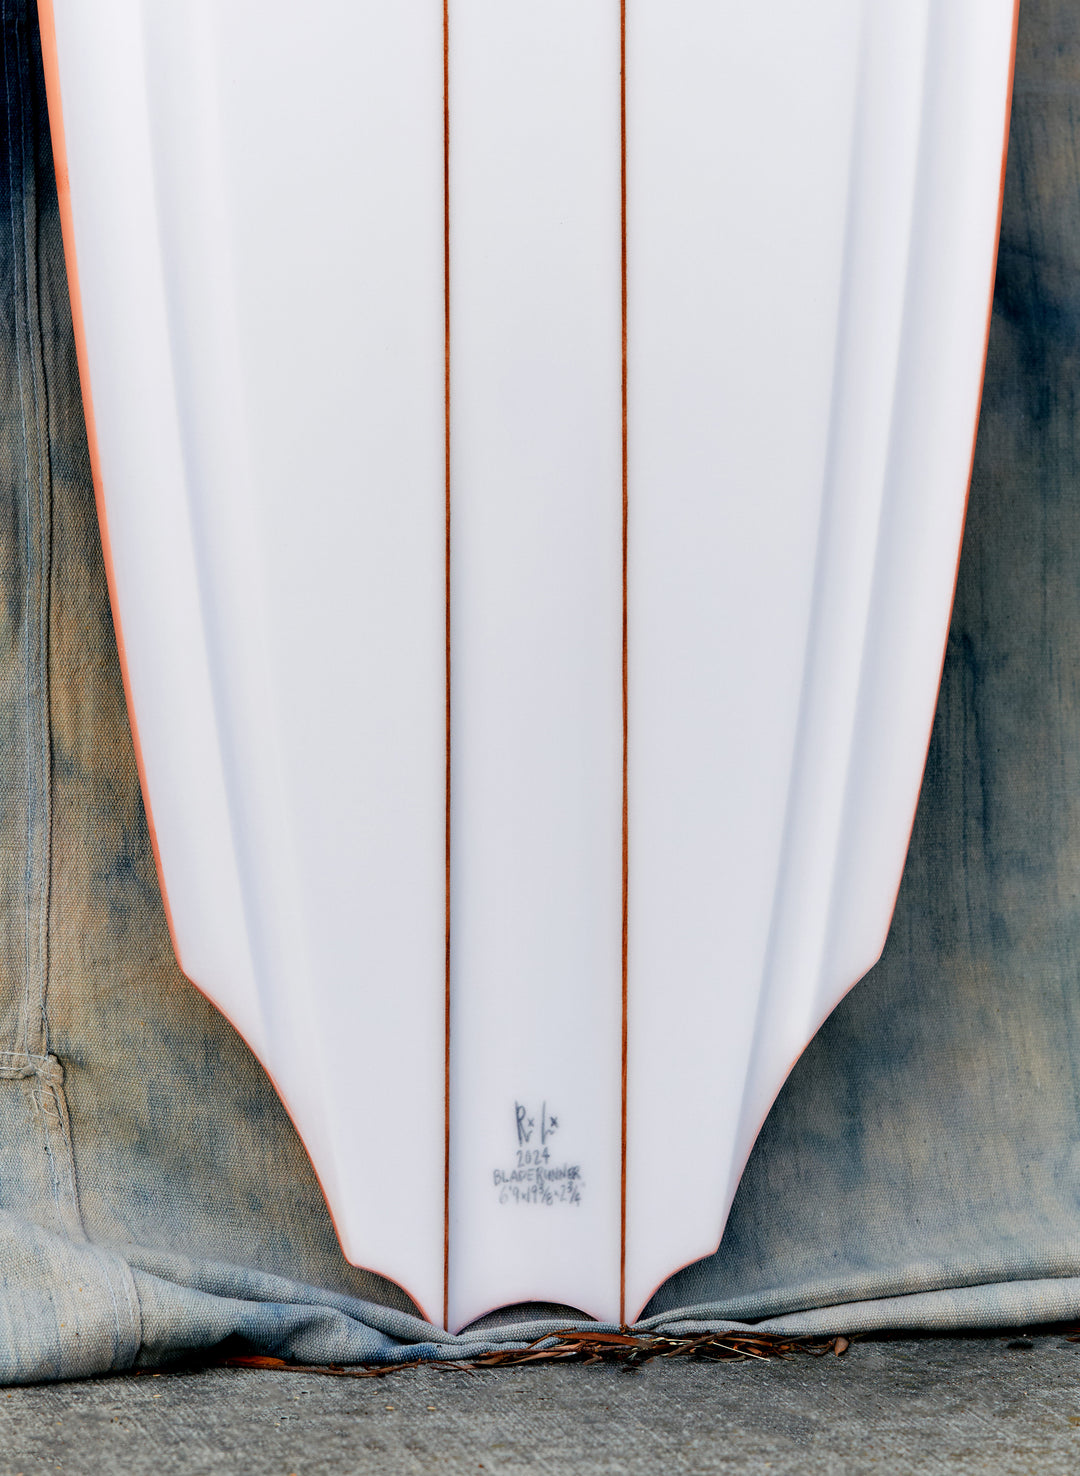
996, 1404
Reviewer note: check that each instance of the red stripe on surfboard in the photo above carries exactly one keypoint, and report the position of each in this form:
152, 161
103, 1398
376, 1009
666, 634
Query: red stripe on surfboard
446, 452
625, 664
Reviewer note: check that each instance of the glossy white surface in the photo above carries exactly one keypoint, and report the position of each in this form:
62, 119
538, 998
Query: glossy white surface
536, 622
258, 225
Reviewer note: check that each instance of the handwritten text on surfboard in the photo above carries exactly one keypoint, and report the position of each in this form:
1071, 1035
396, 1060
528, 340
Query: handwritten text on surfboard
535, 1177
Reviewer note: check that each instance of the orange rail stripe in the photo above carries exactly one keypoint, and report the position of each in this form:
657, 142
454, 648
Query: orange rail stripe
47, 26
625, 663
975, 429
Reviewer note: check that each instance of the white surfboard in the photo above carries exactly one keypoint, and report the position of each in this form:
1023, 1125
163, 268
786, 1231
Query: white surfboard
531, 446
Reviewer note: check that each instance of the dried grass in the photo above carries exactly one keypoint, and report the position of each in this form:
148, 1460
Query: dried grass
572, 1345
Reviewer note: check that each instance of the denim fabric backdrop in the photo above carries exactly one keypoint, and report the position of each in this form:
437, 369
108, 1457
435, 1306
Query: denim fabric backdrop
921, 1167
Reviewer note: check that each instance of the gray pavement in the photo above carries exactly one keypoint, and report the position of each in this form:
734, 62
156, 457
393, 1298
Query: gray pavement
959, 1405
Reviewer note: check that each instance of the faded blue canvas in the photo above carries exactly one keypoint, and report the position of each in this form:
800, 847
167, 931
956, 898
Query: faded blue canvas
921, 1168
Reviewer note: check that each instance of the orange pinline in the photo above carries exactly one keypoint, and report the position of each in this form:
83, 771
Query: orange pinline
446, 840
625, 661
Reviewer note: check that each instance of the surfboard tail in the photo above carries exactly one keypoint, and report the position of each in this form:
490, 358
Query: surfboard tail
531, 449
